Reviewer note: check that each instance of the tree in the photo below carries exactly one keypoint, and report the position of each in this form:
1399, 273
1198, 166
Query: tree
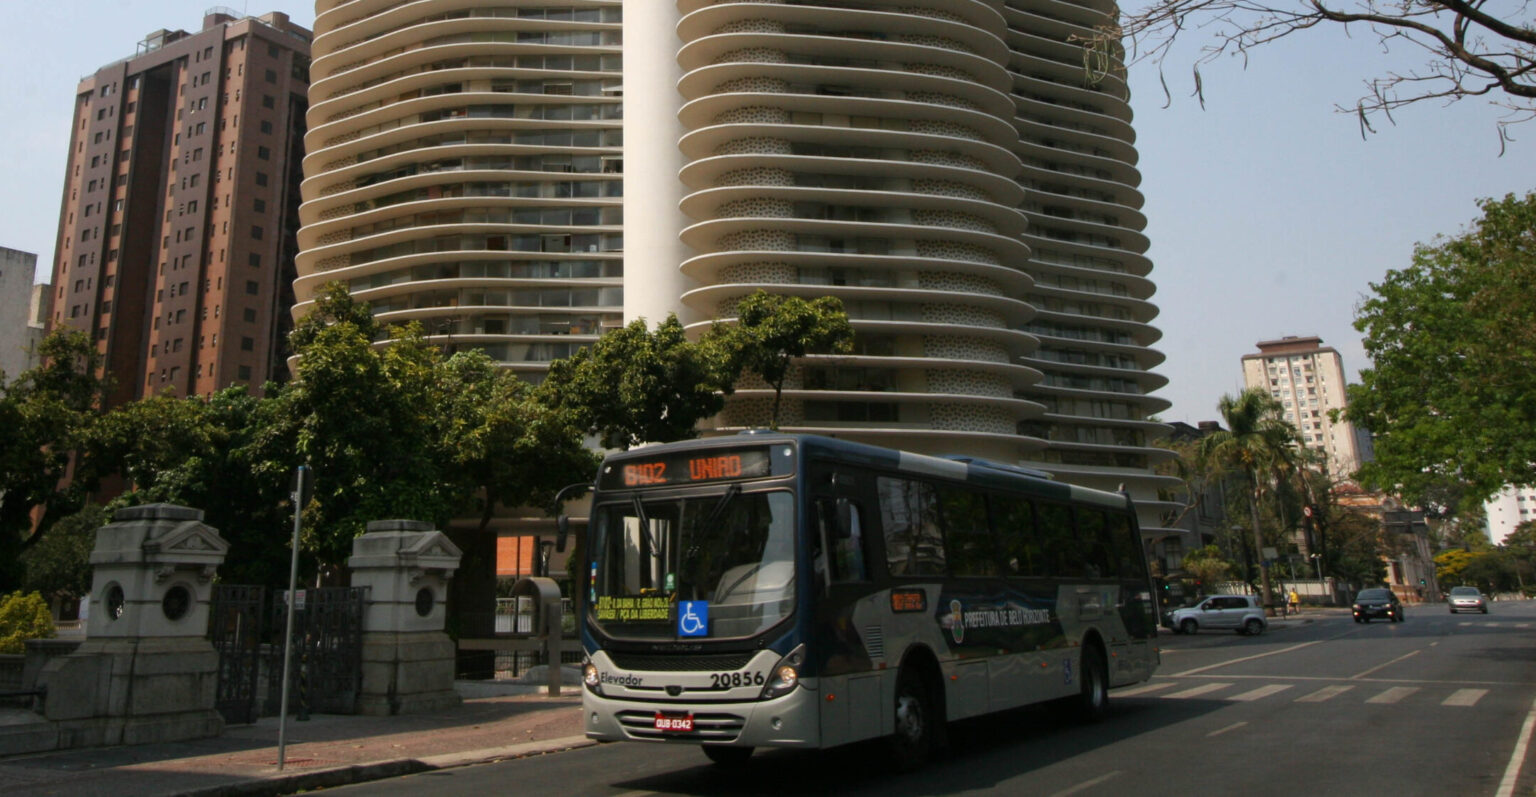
1451, 392
1469, 49
1262, 446
635, 385
59, 565
46, 414
1207, 565
772, 330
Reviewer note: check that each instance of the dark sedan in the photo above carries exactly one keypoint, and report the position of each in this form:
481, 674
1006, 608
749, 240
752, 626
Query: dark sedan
1377, 602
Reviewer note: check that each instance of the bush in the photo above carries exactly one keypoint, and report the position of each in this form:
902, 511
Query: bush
23, 616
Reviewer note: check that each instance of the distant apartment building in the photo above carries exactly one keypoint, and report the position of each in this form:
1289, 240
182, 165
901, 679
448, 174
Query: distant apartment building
1507, 510
176, 227
20, 302
1308, 380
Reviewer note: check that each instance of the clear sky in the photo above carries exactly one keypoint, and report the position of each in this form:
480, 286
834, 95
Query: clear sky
1268, 214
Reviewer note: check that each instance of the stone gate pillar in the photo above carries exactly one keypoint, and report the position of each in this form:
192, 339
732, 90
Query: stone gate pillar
146, 672
408, 660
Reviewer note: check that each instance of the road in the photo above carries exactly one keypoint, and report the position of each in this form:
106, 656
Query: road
1438, 705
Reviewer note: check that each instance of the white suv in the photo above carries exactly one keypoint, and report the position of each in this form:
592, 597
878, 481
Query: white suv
1240, 613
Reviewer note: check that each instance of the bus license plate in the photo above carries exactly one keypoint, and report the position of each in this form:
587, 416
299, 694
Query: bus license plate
674, 723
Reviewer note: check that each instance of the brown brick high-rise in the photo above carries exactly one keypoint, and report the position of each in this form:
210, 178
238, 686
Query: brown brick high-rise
176, 228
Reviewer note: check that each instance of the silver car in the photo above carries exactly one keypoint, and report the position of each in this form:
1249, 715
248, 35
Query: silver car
1240, 613
1466, 599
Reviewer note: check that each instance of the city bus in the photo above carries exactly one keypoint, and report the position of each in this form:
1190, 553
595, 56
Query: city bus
786, 590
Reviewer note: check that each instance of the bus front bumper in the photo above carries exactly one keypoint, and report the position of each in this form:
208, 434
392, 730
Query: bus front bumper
788, 721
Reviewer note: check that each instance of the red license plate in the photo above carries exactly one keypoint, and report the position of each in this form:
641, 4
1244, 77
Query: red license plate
674, 723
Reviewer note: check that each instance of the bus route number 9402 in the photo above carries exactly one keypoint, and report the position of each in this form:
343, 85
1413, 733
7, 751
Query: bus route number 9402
730, 680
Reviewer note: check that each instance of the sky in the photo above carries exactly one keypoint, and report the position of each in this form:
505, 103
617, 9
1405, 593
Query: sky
1268, 214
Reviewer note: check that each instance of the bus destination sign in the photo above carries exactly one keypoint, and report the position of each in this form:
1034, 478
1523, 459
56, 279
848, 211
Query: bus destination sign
690, 468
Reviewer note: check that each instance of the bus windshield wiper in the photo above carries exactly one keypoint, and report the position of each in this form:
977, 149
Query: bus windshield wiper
645, 528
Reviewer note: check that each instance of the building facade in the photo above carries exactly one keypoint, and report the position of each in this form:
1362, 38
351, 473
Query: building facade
180, 204
944, 167
1307, 378
1507, 510
21, 309
465, 171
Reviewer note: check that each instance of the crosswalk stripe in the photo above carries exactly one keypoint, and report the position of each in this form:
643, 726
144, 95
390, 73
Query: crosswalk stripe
1143, 689
1464, 697
1261, 692
1326, 693
1197, 691
1394, 694
1522, 625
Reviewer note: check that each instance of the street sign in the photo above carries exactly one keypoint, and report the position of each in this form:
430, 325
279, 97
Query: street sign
1270, 554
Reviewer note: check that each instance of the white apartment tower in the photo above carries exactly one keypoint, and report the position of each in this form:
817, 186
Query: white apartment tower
946, 168
1308, 380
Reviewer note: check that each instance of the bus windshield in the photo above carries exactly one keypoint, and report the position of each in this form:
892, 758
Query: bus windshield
730, 554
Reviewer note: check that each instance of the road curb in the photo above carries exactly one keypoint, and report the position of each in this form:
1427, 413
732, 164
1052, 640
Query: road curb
382, 770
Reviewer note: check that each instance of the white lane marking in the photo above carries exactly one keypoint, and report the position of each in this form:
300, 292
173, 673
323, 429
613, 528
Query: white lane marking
1512, 772
1262, 692
1234, 726
1522, 625
1087, 784
1141, 690
1394, 694
1410, 654
1464, 697
1326, 693
1246, 658
1196, 691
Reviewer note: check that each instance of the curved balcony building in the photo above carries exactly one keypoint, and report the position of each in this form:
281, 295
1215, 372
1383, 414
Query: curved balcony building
946, 169
464, 170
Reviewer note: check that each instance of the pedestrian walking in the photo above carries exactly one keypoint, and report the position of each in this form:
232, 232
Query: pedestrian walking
1295, 601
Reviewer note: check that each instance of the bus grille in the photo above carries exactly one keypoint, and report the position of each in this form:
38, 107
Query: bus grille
649, 662
706, 727
874, 641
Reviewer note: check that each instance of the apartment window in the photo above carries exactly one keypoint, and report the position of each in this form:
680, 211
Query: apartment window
252, 287
250, 315
266, 127
256, 232
260, 205
263, 153
245, 372
255, 260
261, 178
247, 344
267, 101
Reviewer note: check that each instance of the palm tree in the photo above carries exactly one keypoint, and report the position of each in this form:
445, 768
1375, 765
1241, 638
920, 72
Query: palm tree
1260, 444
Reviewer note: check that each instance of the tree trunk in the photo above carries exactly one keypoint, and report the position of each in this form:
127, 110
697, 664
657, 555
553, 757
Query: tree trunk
1258, 545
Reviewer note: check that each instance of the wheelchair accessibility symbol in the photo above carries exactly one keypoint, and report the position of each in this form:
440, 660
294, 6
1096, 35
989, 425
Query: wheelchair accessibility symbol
693, 618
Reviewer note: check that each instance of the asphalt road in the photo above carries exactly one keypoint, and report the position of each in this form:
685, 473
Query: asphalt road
1438, 705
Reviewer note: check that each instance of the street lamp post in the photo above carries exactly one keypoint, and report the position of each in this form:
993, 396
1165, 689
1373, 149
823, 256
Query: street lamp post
1317, 559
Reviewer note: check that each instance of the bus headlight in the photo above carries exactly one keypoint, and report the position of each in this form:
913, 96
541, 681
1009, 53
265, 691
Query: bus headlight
590, 678
785, 675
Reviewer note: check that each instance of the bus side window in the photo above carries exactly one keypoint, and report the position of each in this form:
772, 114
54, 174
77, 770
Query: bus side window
1130, 554
839, 523
966, 533
1093, 535
1014, 521
1064, 552
909, 518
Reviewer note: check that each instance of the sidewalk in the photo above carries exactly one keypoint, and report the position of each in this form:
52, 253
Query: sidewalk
327, 750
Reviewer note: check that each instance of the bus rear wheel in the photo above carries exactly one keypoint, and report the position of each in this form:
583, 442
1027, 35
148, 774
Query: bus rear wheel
727, 756
913, 739
1092, 701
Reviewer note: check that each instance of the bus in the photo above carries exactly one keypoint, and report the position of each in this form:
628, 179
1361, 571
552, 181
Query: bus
787, 590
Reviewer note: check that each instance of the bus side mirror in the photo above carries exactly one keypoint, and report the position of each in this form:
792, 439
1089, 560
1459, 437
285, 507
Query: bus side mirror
562, 531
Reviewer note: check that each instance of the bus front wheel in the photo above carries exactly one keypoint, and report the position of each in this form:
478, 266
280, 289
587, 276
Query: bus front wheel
727, 756
915, 718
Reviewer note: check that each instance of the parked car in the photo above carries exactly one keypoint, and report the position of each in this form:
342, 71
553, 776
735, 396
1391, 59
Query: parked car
1240, 613
1466, 599
1377, 602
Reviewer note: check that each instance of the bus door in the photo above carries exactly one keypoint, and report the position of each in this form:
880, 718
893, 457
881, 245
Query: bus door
847, 629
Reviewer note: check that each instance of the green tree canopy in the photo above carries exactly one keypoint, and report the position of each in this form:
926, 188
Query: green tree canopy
773, 329
47, 413
636, 385
1451, 392
1207, 565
